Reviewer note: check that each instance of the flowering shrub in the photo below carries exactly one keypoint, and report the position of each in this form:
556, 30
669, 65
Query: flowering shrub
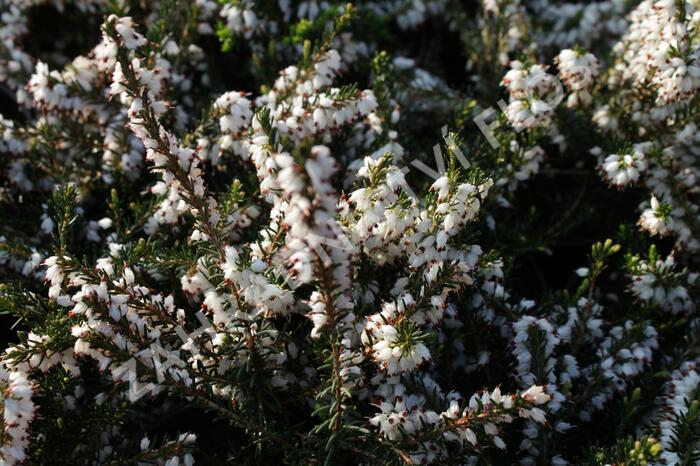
311, 232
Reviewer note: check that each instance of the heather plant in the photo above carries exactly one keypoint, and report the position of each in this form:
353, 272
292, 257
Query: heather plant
323, 233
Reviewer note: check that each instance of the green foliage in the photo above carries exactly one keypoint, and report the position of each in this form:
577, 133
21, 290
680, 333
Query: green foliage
626, 452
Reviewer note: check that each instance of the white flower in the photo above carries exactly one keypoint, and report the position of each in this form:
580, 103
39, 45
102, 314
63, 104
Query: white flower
577, 69
623, 169
536, 394
498, 441
661, 284
654, 219
125, 28
525, 114
399, 350
18, 412
605, 119
240, 21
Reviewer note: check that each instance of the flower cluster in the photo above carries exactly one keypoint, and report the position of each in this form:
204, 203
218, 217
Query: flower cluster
623, 169
578, 70
18, 412
311, 232
533, 95
679, 406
